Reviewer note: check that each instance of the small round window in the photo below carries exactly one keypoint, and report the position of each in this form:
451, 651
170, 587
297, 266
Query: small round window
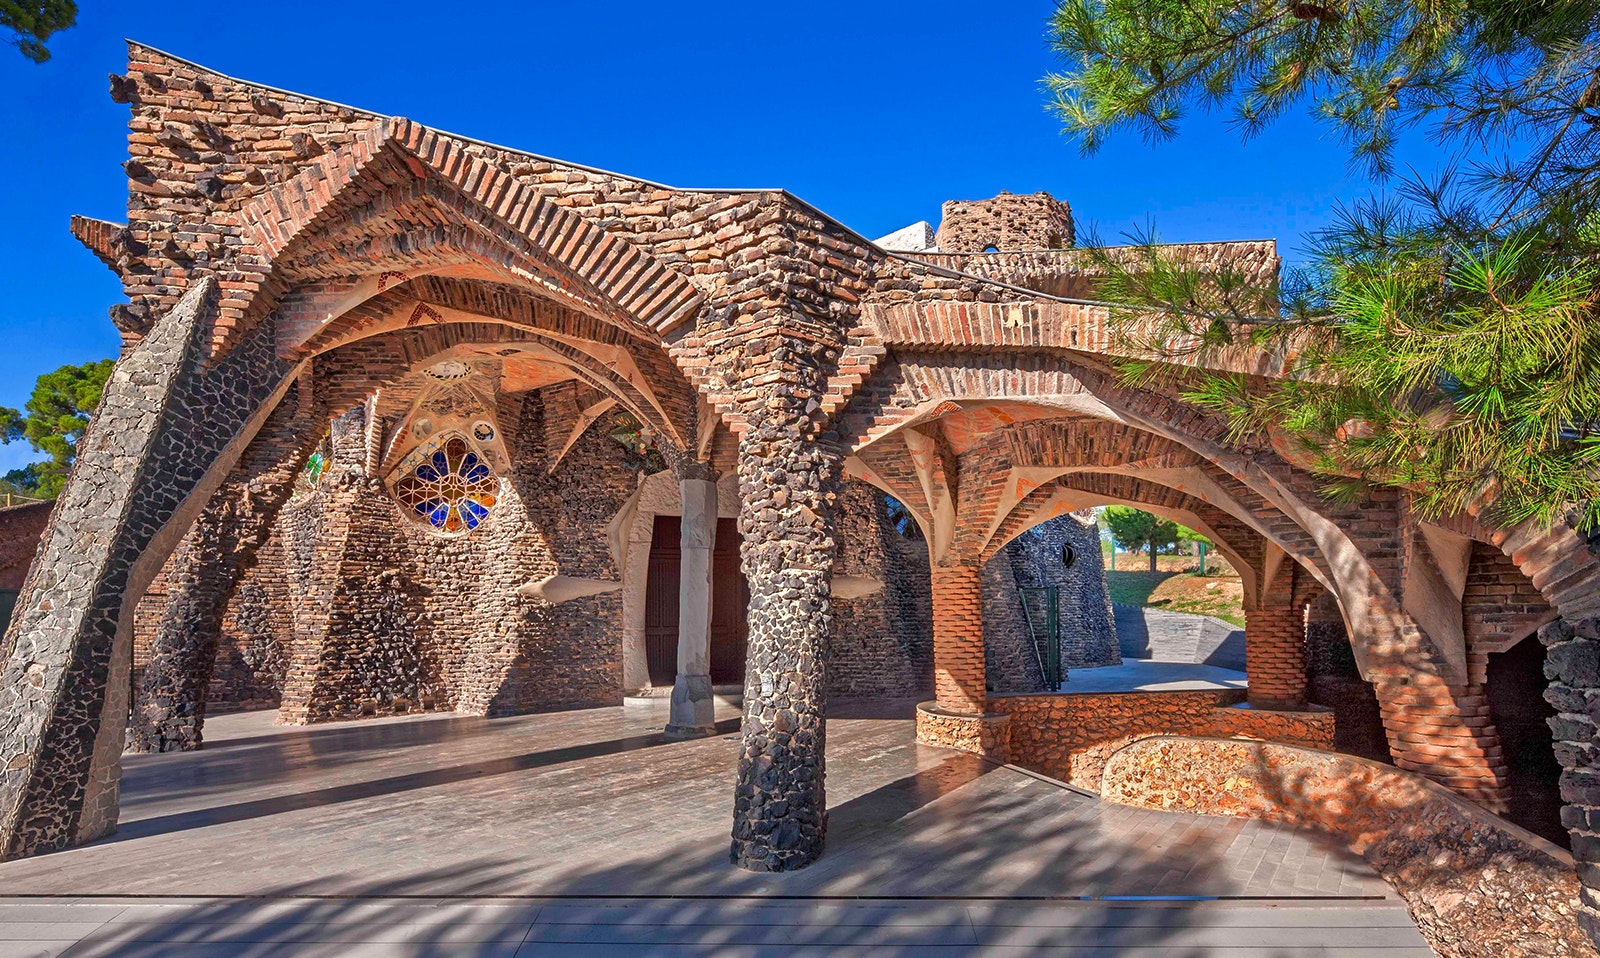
451, 490
482, 431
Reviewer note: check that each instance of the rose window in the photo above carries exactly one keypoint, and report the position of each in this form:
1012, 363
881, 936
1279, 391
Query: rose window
452, 490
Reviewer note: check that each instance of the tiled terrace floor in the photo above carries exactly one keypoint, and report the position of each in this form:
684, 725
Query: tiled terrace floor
586, 833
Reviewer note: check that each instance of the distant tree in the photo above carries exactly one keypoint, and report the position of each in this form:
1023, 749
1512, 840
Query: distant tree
57, 414
1136, 529
32, 23
21, 482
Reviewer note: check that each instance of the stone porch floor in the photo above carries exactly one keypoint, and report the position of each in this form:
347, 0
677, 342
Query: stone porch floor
586, 833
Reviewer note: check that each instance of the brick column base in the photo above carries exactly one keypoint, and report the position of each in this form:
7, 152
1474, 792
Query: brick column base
1444, 735
959, 679
1275, 658
986, 735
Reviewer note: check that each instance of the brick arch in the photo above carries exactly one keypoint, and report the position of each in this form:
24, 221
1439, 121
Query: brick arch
1560, 562
604, 357
401, 169
1241, 544
352, 370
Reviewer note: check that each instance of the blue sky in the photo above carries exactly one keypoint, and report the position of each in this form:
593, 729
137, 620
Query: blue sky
873, 111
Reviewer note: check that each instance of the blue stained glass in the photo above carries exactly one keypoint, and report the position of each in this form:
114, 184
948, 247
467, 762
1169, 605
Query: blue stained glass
427, 473
472, 512
426, 506
441, 463
439, 515
477, 473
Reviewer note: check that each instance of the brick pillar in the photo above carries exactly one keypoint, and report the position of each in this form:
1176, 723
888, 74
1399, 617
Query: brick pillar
959, 679
1275, 658
1573, 668
1443, 734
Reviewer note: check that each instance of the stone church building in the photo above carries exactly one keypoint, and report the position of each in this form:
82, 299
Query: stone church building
408, 421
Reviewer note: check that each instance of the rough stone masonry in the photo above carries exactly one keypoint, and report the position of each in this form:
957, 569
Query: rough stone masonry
508, 349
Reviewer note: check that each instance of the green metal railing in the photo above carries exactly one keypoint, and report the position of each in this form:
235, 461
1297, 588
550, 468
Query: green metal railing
1042, 608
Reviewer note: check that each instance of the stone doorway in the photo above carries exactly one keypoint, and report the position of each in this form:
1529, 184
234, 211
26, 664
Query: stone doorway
730, 597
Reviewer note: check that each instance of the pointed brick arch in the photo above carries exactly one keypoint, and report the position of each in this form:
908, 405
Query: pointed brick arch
497, 219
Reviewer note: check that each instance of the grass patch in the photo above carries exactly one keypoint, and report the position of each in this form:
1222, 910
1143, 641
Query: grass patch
1135, 588
1180, 592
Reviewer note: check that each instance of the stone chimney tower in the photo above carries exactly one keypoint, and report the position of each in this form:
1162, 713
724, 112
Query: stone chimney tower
1008, 222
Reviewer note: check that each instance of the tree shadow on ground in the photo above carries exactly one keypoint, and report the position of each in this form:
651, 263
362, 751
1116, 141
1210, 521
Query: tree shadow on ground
909, 869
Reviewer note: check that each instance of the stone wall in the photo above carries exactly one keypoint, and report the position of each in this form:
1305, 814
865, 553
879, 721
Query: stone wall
1007, 222
415, 620
1088, 634
1477, 886
1071, 736
252, 649
1334, 682
882, 644
1010, 661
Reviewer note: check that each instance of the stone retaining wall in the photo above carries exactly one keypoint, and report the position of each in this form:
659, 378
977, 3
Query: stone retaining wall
1477, 886
1071, 736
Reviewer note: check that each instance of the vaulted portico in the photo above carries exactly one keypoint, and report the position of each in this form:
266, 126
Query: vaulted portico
475, 322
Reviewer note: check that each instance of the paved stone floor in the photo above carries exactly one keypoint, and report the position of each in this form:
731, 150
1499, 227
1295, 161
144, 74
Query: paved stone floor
586, 833
1143, 675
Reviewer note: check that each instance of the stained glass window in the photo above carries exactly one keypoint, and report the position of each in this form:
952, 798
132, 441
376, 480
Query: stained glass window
315, 468
452, 489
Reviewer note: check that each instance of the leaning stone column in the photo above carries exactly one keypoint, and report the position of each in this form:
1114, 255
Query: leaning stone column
693, 707
171, 422
1275, 658
789, 486
170, 704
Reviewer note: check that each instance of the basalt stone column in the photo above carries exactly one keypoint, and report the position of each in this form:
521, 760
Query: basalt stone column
789, 486
171, 423
1275, 658
693, 707
1572, 666
959, 676
169, 707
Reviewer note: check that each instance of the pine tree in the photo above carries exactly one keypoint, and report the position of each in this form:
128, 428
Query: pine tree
1444, 338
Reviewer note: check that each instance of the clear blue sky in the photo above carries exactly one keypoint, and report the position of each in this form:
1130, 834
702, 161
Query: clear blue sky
873, 111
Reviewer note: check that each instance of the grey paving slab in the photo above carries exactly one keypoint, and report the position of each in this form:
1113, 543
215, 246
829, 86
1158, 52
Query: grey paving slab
588, 833
1143, 675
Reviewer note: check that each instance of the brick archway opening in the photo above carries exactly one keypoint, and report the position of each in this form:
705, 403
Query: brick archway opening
1516, 685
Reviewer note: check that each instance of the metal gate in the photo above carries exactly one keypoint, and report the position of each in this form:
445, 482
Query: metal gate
1041, 608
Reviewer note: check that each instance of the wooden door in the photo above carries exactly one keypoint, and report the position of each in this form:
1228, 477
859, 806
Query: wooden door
661, 601
730, 600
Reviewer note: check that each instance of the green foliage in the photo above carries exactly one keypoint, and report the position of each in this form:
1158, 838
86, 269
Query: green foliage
1135, 529
638, 443
57, 414
32, 23
22, 482
1444, 338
